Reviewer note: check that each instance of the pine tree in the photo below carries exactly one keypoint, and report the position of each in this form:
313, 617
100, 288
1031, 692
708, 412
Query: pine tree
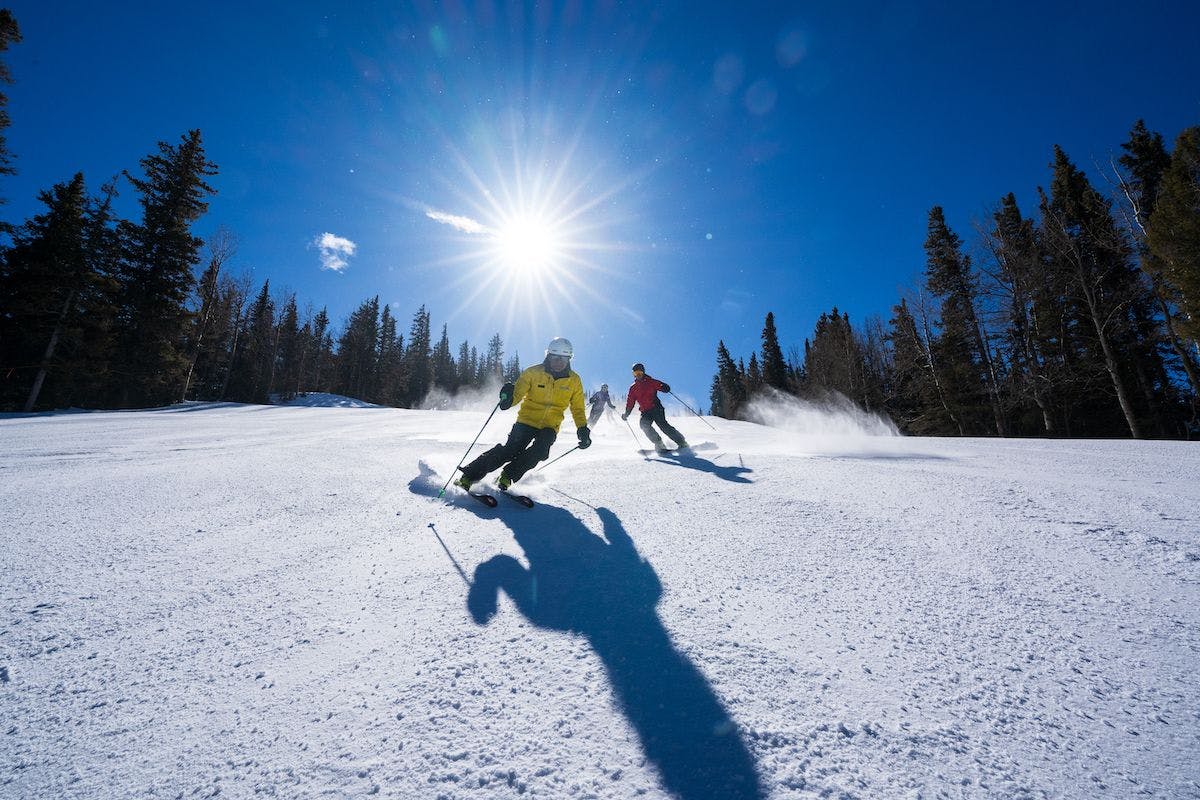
288, 351
754, 375
729, 391
221, 249
386, 389
392, 380
10, 34
476, 370
492, 366
795, 368
156, 273
908, 402
834, 361
1022, 275
774, 369
945, 413
445, 371
251, 370
969, 375
1174, 236
465, 369
1145, 162
99, 331
876, 364
358, 352
418, 359
57, 300
305, 345
219, 359
1084, 239
716, 404
318, 376
512, 369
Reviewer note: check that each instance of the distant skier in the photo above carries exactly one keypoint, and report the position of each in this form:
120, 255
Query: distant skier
598, 401
544, 392
644, 391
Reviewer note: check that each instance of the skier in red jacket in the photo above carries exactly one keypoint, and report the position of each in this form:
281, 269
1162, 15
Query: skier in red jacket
644, 391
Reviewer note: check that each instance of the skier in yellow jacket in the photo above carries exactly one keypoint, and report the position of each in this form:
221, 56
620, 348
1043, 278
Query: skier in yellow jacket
544, 392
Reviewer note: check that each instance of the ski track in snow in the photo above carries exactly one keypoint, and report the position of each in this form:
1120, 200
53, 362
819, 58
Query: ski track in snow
238, 600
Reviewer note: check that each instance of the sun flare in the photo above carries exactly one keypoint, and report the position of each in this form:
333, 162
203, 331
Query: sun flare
533, 244
529, 245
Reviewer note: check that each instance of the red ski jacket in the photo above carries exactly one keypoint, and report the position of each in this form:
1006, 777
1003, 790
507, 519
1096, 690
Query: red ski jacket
644, 391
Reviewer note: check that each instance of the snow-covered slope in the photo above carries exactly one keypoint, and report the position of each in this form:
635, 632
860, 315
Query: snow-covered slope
243, 600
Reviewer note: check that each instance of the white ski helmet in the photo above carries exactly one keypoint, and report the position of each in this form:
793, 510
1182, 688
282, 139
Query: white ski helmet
559, 347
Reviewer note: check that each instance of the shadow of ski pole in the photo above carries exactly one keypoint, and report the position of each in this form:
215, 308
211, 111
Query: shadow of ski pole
453, 561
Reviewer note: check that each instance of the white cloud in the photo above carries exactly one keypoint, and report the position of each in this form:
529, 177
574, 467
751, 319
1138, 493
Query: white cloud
464, 224
334, 251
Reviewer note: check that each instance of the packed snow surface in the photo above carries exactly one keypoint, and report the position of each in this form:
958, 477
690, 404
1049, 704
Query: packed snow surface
243, 600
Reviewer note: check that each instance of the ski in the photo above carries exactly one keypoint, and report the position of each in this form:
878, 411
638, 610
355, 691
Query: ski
518, 498
478, 493
483, 497
686, 449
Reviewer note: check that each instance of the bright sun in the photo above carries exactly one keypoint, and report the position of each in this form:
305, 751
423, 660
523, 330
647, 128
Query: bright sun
530, 245
534, 240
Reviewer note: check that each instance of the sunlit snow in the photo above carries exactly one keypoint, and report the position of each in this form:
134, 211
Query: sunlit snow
240, 600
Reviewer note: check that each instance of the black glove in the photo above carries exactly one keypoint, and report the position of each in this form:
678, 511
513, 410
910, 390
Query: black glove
625, 415
665, 388
506, 396
585, 437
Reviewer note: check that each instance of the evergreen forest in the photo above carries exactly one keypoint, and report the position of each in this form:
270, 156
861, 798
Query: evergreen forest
1078, 318
102, 312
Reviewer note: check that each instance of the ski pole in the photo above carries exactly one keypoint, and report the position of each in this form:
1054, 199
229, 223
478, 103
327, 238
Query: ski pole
634, 435
689, 408
464, 458
556, 458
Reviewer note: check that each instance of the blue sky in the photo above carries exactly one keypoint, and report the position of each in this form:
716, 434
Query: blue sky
698, 165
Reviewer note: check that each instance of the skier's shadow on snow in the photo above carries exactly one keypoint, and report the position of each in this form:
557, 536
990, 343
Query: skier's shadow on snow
602, 589
693, 461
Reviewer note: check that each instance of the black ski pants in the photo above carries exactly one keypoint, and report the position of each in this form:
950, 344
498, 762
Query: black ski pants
525, 447
658, 415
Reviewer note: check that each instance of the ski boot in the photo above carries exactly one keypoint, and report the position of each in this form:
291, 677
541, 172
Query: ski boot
504, 481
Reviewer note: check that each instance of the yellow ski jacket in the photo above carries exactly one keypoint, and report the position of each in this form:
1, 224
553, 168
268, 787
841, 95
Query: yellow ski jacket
544, 399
